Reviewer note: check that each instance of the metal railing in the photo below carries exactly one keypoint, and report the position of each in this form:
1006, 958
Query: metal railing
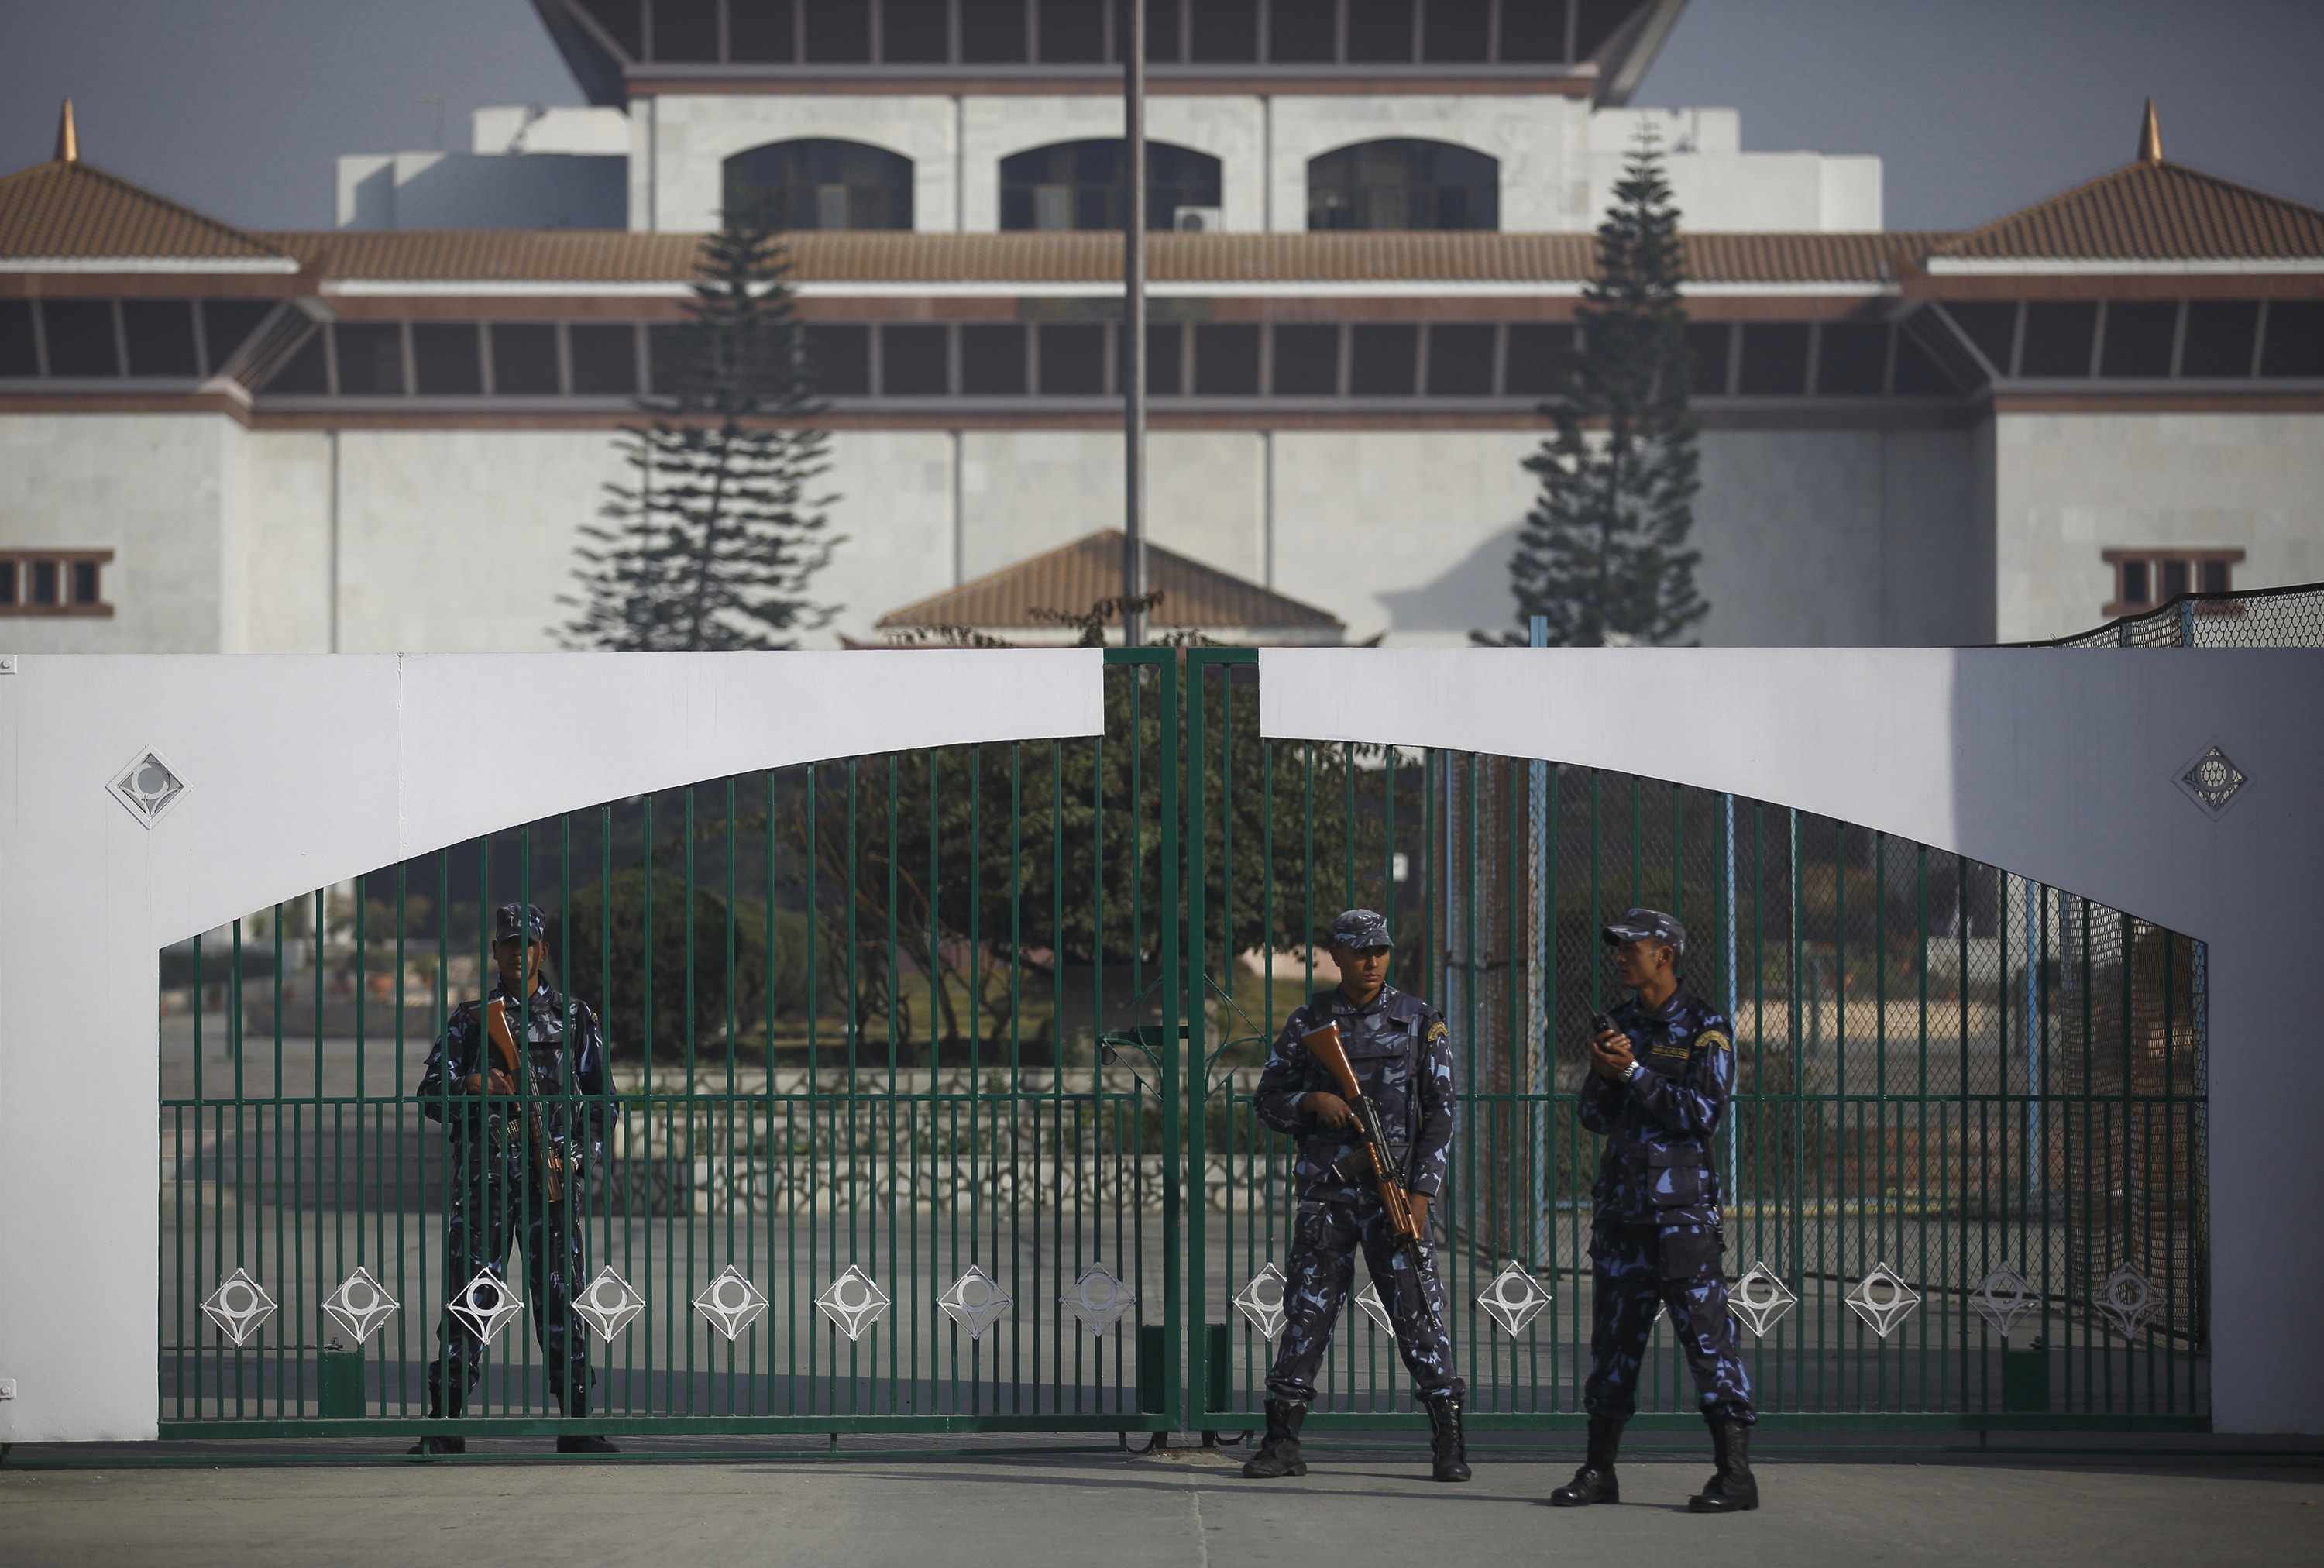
2291, 617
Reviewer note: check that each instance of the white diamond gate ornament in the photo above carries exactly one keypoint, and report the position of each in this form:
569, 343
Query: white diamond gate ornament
1882, 1299
731, 1303
2128, 1300
1098, 1298
360, 1305
854, 1301
2003, 1298
608, 1304
485, 1304
1260, 1301
1760, 1299
975, 1301
1513, 1298
239, 1306
1369, 1303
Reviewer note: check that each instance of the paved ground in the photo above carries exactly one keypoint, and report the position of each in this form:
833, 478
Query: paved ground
1114, 1510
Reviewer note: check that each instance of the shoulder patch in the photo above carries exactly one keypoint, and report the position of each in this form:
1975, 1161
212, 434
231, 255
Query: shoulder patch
1715, 1040
1438, 1031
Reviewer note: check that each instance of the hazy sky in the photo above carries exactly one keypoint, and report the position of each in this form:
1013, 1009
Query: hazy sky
1978, 106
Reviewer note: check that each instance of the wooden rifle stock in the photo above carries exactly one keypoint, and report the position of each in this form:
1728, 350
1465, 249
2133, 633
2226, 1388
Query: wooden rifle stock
547, 1160
1371, 1133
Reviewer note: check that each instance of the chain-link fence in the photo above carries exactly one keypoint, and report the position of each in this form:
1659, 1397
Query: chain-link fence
2290, 617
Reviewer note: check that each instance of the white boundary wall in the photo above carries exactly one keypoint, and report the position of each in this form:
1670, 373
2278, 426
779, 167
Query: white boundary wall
302, 772
2059, 765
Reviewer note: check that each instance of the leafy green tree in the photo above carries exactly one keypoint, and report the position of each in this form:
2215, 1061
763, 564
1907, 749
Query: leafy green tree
1603, 553
714, 541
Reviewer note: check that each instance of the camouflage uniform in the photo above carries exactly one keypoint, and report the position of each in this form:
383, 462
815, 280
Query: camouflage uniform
496, 1194
1655, 1240
1402, 1055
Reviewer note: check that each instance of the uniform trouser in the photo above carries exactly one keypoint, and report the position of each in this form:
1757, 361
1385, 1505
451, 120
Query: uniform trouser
1323, 1242
493, 1204
1637, 1269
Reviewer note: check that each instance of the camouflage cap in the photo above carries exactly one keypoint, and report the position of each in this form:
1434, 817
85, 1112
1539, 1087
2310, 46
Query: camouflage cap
510, 919
1359, 929
1645, 925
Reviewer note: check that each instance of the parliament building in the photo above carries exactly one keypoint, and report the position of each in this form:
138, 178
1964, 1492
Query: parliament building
1372, 223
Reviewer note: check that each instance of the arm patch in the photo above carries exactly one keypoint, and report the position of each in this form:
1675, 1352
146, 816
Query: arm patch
1715, 1040
1438, 1031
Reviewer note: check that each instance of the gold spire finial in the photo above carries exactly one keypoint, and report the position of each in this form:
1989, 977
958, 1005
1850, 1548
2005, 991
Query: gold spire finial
2150, 137
67, 139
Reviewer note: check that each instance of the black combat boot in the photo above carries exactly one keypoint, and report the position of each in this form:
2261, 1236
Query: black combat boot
576, 1406
440, 1445
1279, 1452
1594, 1482
1447, 1446
1730, 1489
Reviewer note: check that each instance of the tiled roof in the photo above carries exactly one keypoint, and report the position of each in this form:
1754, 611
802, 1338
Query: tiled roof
1035, 259
1074, 577
72, 211
2151, 211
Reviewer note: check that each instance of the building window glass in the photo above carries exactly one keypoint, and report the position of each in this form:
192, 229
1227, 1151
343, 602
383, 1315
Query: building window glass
1460, 360
160, 336
371, 357
992, 32
914, 362
1383, 361
227, 325
80, 337
2058, 337
2220, 338
1073, 359
17, 357
1165, 357
1403, 185
1071, 34
1379, 32
1225, 32
2138, 334
839, 360
1707, 345
1533, 33
1852, 359
1308, 360
1774, 359
444, 359
605, 360
761, 31
1992, 326
685, 31
838, 31
1595, 22
1226, 360
1082, 185
624, 22
1540, 359
524, 359
1458, 31
2145, 579
1303, 32
992, 360
820, 184
307, 373
71, 582
2295, 338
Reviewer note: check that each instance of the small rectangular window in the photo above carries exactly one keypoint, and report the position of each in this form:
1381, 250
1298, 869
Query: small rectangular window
84, 581
1379, 32
1541, 360
685, 31
2214, 577
1161, 31
1226, 32
44, 583
1073, 31
1166, 350
912, 362
1460, 360
1073, 359
1457, 31
622, 21
1594, 22
2134, 589
1706, 344
524, 359
605, 360
228, 324
1303, 32
1383, 361
1774, 359
760, 32
992, 360
80, 337
1990, 326
2219, 334
1226, 360
16, 355
992, 32
1532, 31
371, 357
1306, 360
915, 31
2058, 334
306, 373
1852, 359
839, 360
1918, 375
7, 582
444, 359
2138, 334
2174, 579
2295, 338
161, 336
838, 31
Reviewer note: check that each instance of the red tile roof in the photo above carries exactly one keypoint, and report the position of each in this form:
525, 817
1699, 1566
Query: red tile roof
73, 211
1074, 577
2149, 211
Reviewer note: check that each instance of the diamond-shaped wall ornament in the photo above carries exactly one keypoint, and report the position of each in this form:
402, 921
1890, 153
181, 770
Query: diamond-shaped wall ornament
1260, 1301
1513, 1298
360, 1305
975, 1301
854, 1301
608, 1304
148, 786
1760, 1299
1369, 1303
485, 1304
2129, 1301
730, 1303
2004, 1299
2211, 781
240, 1308
1882, 1299
1098, 1298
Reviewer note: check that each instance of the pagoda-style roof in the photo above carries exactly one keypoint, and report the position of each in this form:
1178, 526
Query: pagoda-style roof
68, 214
1072, 579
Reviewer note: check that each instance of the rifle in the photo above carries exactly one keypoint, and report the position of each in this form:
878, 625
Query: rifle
546, 1159
1388, 1172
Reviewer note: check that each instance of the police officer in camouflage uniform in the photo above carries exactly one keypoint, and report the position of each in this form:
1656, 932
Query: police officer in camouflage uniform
1658, 1085
497, 1185
1402, 1057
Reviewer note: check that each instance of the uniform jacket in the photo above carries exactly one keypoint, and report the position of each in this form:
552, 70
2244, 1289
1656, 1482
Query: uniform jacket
1402, 1055
568, 1073
1657, 1167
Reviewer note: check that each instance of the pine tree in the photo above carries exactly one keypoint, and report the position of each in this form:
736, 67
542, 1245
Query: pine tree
714, 540
1602, 554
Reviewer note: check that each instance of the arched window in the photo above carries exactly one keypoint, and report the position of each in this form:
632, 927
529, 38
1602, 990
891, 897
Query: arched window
821, 184
1403, 185
1084, 185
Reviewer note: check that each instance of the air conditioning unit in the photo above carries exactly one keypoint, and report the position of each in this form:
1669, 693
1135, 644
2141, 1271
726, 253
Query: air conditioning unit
1198, 219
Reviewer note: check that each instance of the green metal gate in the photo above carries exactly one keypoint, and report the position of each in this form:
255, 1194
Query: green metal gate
999, 1008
